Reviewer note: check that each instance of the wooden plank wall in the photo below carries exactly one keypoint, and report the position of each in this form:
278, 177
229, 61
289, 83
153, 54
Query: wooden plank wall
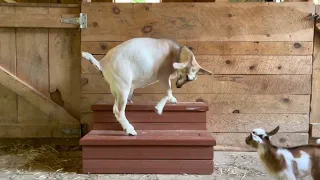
262, 63
315, 101
46, 59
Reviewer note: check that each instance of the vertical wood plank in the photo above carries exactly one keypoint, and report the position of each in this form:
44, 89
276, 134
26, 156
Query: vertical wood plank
8, 99
8, 49
32, 58
315, 98
32, 67
65, 69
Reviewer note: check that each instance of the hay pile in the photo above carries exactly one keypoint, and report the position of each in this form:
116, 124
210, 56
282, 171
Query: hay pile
22, 158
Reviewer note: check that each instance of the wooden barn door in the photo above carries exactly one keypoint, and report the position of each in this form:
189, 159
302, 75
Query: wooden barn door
260, 53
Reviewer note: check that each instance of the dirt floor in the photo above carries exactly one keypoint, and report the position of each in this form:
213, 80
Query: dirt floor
22, 161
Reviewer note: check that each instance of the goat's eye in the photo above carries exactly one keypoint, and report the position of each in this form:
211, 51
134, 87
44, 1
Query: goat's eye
254, 133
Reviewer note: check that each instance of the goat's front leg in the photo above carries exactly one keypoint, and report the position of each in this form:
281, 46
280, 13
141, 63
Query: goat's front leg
168, 97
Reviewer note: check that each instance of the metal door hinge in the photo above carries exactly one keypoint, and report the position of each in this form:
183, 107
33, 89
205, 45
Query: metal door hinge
82, 20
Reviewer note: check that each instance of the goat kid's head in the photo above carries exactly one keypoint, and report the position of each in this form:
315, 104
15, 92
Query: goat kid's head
188, 68
260, 136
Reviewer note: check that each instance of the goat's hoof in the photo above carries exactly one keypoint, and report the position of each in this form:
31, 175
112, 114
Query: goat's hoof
131, 132
157, 110
173, 100
129, 101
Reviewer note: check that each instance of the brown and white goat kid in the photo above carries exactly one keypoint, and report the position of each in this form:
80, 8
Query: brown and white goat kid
285, 163
140, 62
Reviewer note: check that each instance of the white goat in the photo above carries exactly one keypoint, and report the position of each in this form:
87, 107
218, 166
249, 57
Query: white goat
286, 163
140, 62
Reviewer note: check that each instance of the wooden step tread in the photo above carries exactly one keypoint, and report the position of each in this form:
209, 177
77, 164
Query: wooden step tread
180, 106
152, 137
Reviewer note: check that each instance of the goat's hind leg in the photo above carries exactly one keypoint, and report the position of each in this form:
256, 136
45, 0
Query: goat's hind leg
130, 96
121, 95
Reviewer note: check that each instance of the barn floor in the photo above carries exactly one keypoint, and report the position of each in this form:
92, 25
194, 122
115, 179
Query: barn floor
22, 161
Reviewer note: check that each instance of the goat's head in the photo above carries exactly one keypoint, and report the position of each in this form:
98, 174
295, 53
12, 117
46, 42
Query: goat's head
188, 68
260, 136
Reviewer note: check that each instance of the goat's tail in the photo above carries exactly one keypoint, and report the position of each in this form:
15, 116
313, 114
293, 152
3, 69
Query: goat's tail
318, 141
90, 58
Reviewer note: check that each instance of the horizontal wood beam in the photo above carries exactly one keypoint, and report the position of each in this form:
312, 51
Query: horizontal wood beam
35, 98
35, 20
10, 1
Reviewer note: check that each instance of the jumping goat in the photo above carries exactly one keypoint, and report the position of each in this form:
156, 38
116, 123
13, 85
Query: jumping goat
285, 163
140, 62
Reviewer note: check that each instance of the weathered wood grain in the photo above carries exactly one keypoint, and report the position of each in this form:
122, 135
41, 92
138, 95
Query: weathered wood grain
32, 58
8, 104
223, 47
220, 103
30, 114
236, 141
241, 64
237, 123
37, 17
8, 49
35, 98
315, 130
199, 21
64, 66
229, 84
315, 101
36, 131
8, 99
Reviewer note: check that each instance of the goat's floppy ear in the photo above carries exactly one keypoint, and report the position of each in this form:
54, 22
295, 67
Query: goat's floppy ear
203, 71
185, 54
273, 132
178, 65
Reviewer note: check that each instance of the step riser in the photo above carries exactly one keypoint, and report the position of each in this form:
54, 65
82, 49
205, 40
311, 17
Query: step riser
148, 166
151, 116
148, 152
151, 126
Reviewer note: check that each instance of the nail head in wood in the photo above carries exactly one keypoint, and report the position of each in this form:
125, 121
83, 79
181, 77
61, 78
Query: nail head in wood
95, 24
116, 10
236, 111
297, 45
103, 46
147, 29
84, 81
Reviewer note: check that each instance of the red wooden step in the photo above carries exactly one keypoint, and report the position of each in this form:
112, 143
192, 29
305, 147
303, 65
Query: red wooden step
180, 116
160, 152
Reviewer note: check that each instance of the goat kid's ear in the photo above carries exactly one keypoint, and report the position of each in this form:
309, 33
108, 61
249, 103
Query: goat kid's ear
185, 54
203, 71
273, 132
179, 65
